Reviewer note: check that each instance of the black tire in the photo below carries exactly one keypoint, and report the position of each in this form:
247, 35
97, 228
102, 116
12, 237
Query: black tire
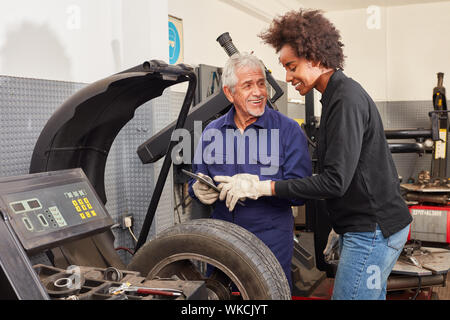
244, 258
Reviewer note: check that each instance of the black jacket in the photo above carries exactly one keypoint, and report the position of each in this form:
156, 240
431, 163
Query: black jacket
357, 175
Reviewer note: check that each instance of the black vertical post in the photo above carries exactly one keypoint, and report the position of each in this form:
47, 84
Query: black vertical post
167, 163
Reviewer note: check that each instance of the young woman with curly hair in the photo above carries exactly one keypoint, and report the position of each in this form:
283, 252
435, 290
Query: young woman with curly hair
357, 176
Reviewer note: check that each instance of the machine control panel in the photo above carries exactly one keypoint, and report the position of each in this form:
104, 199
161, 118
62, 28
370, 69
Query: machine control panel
50, 208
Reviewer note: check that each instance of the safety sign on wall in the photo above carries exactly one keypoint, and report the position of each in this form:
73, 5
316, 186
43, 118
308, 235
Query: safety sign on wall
175, 40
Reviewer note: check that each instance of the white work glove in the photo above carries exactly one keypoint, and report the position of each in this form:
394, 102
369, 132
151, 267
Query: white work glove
331, 251
241, 186
204, 193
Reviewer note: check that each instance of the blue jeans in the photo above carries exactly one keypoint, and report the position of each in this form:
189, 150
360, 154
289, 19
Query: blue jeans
365, 262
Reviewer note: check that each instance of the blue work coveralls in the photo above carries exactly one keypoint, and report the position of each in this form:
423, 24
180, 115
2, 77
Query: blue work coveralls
269, 218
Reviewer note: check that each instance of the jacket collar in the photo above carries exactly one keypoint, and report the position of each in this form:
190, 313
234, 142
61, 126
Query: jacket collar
335, 78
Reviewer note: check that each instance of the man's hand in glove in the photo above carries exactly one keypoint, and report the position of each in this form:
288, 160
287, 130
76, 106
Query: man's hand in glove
241, 186
204, 193
331, 250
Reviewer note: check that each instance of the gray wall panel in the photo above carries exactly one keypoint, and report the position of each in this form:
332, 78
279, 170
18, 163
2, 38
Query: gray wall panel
27, 104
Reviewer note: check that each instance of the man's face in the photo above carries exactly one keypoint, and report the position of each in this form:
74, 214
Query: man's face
250, 93
300, 72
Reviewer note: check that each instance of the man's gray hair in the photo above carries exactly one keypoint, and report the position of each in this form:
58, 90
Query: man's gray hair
237, 61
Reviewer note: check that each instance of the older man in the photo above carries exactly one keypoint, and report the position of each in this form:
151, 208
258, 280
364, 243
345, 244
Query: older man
253, 139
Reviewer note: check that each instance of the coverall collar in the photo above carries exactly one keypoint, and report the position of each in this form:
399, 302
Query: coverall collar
260, 122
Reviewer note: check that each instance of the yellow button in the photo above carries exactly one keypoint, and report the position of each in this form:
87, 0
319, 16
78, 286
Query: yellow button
86, 200
93, 213
75, 203
80, 202
78, 209
84, 207
89, 206
82, 216
87, 214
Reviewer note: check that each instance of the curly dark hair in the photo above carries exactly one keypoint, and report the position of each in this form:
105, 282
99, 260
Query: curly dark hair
310, 34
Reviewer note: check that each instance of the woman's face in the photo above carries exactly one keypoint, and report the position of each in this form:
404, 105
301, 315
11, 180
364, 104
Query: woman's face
300, 72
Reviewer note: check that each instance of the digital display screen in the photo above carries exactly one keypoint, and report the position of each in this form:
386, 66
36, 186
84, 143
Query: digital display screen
33, 204
18, 207
42, 209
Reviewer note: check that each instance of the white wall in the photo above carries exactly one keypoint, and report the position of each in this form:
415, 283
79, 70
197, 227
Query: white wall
399, 61
364, 48
205, 20
80, 40
419, 48
83, 41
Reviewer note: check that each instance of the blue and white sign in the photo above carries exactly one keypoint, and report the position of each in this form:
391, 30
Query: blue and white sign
175, 41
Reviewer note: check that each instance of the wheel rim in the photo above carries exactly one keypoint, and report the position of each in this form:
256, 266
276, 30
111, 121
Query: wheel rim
182, 266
